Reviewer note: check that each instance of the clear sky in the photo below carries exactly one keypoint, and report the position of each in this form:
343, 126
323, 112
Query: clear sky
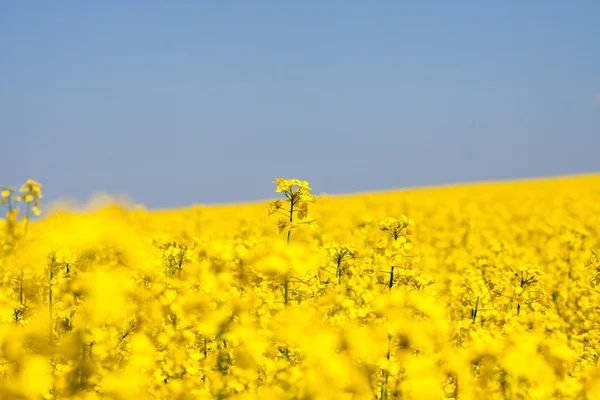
185, 102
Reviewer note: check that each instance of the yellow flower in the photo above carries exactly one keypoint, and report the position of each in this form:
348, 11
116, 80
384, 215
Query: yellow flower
275, 206
282, 224
283, 185
303, 186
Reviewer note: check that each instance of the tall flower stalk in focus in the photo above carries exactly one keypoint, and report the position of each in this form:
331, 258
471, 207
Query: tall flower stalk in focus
297, 194
399, 232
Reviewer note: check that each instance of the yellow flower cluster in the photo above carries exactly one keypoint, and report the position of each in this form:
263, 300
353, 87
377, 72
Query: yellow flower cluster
491, 292
30, 193
297, 194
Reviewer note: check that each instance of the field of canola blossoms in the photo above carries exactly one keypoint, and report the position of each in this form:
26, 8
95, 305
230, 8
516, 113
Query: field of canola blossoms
476, 292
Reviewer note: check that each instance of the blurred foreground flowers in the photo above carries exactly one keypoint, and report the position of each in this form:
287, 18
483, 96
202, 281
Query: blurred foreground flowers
478, 292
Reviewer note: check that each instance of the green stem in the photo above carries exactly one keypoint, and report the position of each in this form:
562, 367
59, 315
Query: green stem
385, 388
286, 282
291, 217
475, 310
181, 256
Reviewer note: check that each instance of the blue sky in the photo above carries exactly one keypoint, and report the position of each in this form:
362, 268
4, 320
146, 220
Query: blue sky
187, 102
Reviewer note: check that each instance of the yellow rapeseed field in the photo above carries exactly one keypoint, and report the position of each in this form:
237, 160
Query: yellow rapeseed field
486, 291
